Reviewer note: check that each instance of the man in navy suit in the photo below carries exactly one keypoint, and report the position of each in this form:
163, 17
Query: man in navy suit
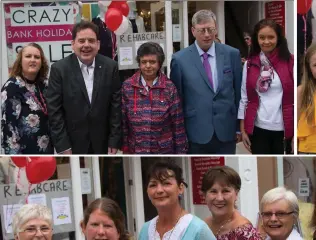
208, 78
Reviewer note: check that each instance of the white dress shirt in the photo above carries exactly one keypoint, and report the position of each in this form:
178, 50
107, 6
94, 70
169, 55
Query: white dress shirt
269, 114
88, 76
212, 61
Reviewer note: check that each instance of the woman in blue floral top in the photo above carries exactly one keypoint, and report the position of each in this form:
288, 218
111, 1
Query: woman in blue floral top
24, 122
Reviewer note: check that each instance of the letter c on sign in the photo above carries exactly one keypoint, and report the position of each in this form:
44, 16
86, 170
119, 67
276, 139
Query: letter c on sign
18, 18
18, 48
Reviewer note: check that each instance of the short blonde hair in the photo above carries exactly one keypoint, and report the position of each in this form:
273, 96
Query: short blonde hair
280, 193
29, 212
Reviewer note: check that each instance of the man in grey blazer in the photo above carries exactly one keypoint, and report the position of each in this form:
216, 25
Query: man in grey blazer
84, 98
208, 78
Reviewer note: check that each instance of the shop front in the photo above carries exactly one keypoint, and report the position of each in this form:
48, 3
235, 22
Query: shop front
49, 23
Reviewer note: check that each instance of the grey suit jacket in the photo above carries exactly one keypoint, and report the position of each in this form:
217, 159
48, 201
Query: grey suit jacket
207, 111
75, 122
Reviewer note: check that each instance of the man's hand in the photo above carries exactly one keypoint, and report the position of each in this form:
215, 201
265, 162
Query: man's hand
66, 152
246, 141
112, 151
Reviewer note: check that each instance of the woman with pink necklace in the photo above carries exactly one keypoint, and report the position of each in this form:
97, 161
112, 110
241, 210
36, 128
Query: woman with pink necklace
24, 122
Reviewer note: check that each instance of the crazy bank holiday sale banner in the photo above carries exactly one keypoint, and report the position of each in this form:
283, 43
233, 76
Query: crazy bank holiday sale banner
48, 25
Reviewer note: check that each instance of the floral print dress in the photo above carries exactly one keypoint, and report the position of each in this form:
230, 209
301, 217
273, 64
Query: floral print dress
24, 123
243, 232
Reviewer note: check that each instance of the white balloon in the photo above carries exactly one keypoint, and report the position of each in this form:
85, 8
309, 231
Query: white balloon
104, 4
123, 27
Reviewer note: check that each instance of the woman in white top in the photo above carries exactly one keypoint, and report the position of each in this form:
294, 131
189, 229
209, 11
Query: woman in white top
165, 189
279, 211
266, 107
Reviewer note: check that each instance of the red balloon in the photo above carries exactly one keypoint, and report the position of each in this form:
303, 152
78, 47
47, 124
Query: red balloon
124, 9
116, 4
120, 5
39, 169
113, 18
19, 161
303, 6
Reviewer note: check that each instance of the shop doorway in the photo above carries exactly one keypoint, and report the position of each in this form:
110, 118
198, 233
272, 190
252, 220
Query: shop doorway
113, 180
240, 16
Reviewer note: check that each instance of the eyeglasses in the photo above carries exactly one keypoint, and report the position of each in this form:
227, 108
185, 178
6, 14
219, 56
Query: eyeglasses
279, 215
33, 230
204, 30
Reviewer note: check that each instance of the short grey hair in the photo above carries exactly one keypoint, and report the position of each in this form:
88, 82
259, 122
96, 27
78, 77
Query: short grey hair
280, 193
29, 212
202, 16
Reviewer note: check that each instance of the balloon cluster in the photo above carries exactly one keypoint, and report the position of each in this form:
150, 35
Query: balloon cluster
116, 16
38, 169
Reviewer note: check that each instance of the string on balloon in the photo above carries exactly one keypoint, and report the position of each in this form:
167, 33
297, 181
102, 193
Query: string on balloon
305, 32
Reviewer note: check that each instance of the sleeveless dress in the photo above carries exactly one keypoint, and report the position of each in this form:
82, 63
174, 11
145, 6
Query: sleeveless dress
243, 232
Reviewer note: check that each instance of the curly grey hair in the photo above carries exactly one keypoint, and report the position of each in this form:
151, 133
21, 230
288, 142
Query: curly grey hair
280, 193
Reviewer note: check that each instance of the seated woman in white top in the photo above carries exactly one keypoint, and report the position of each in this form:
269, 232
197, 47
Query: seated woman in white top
165, 189
279, 212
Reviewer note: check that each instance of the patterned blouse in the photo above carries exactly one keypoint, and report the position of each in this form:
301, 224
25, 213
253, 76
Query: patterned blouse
24, 123
243, 232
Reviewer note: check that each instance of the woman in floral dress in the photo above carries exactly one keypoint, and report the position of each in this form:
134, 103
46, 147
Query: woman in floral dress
221, 186
24, 122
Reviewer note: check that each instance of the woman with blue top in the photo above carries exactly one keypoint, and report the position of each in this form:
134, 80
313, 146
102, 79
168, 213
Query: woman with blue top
165, 188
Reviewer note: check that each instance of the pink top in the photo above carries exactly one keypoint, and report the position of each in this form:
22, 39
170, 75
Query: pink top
246, 231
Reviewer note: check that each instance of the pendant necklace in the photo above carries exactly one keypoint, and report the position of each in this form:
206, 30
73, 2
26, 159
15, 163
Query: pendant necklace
221, 227
171, 229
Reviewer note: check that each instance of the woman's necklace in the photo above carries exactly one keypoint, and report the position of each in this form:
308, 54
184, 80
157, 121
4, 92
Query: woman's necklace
171, 229
221, 227
40, 102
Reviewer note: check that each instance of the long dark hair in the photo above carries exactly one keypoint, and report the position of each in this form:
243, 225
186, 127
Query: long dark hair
284, 52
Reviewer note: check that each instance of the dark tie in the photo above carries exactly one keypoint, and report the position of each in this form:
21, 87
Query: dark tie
207, 68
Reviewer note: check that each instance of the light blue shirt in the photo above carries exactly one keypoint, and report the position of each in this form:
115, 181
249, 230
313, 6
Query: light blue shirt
211, 60
197, 229
145, 84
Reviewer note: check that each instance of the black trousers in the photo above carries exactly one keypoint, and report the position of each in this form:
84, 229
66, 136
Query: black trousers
268, 142
90, 149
